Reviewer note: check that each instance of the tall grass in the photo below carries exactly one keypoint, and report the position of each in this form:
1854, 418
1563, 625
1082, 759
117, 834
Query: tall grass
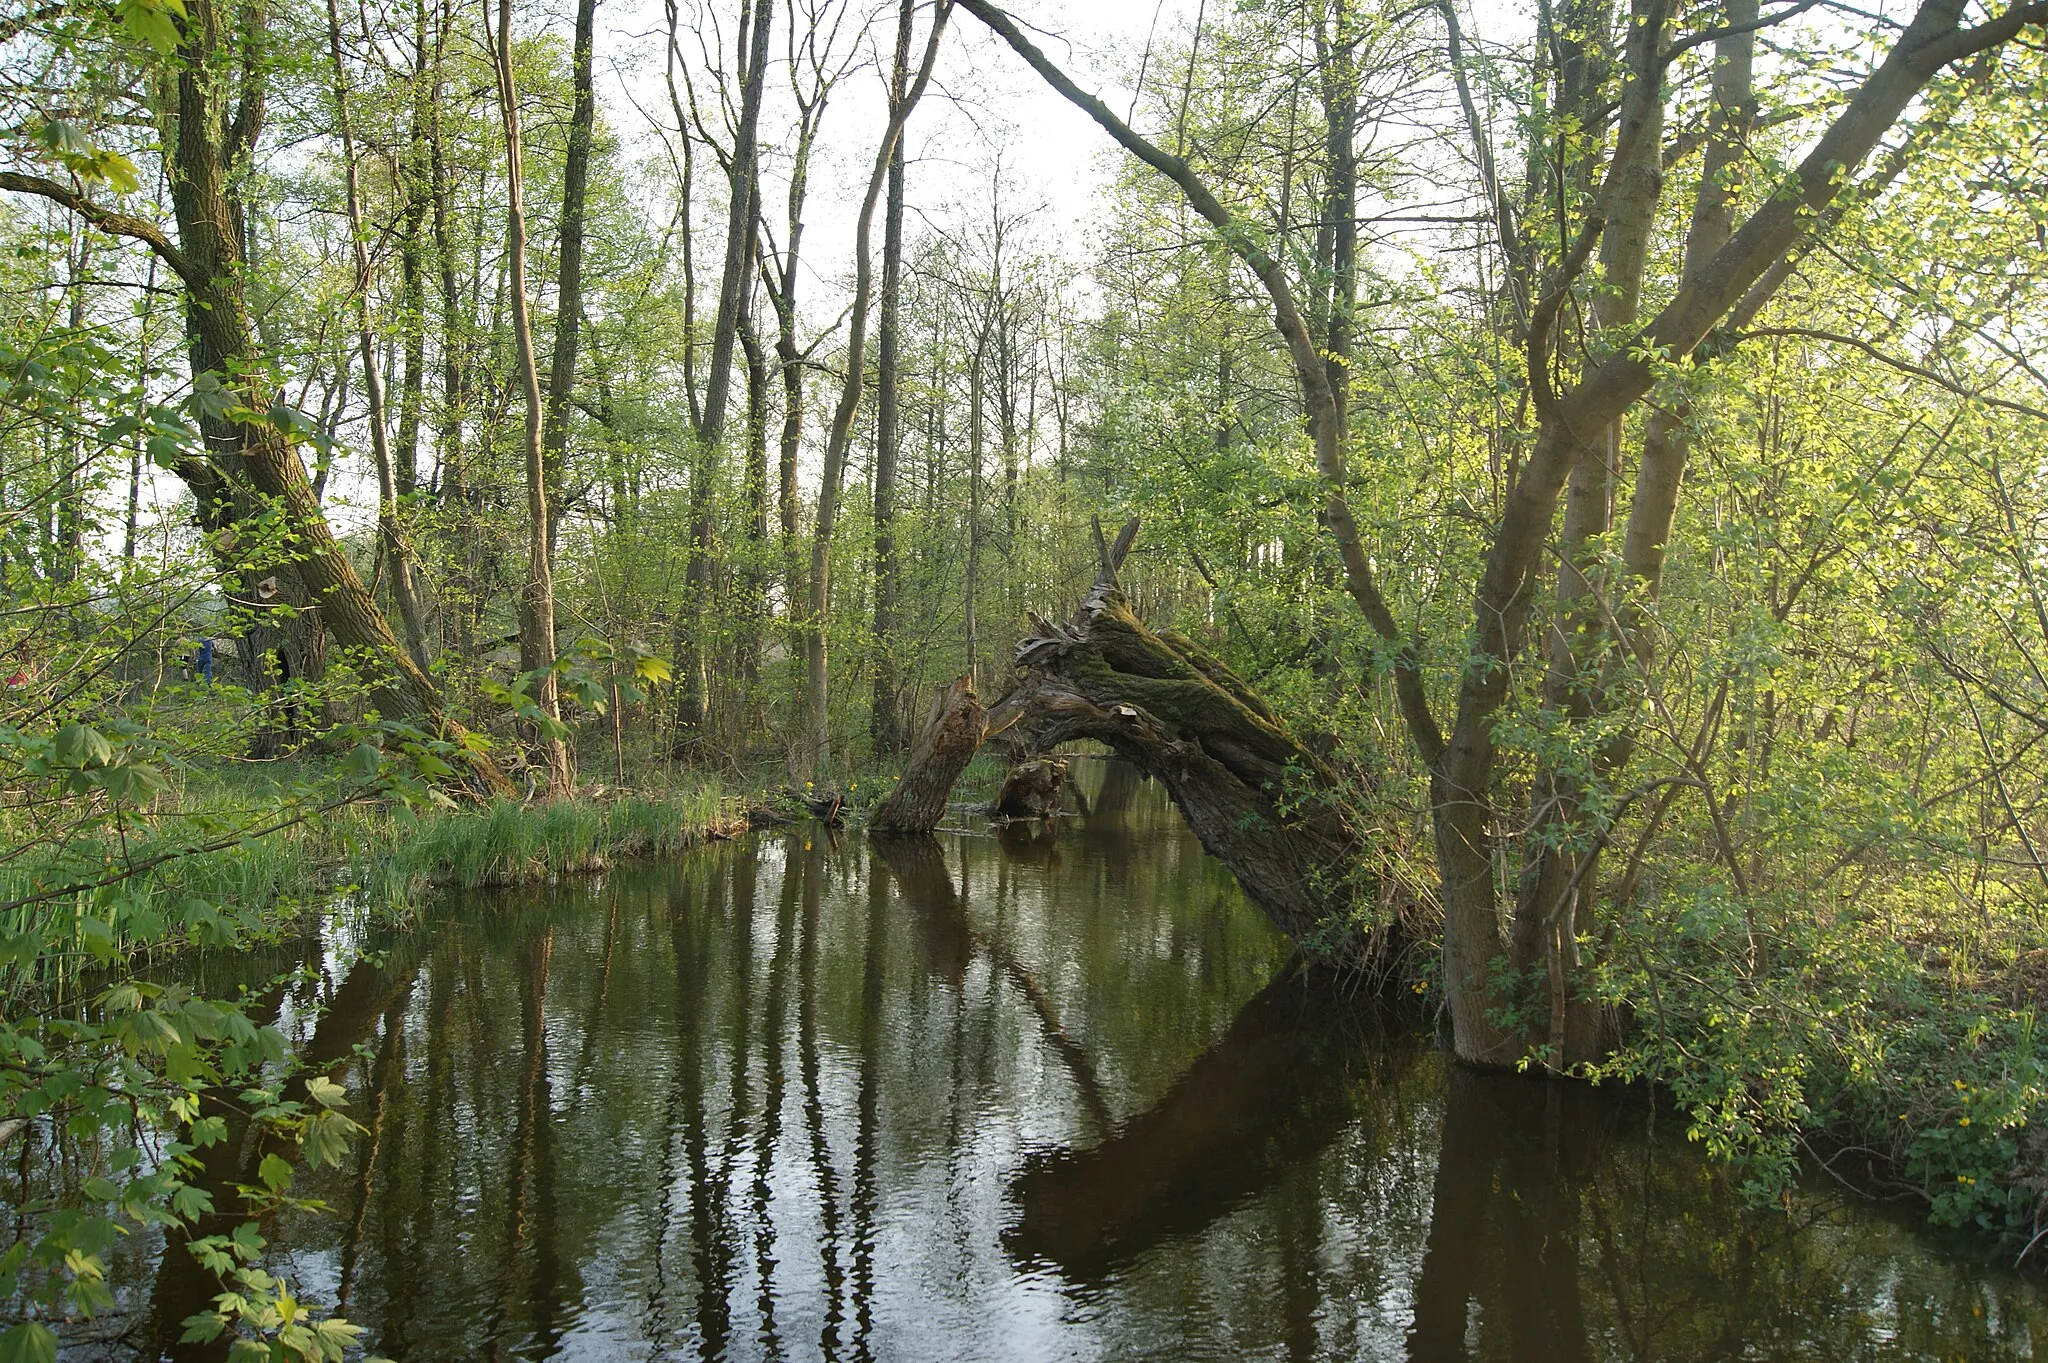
506, 842
374, 859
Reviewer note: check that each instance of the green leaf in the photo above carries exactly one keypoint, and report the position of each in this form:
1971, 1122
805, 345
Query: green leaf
80, 746
275, 1173
164, 451
325, 1139
29, 1342
326, 1092
151, 23
211, 400
203, 1328
191, 1203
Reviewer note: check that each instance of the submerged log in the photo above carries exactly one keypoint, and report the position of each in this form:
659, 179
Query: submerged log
950, 739
1033, 789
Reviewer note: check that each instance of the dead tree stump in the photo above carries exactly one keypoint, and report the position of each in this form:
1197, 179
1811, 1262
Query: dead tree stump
1033, 789
950, 739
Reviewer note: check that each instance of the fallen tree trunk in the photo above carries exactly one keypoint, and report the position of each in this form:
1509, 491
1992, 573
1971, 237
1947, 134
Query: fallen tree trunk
950, 739
1260, 802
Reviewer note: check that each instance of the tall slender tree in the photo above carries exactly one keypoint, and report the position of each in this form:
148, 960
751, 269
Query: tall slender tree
537, 597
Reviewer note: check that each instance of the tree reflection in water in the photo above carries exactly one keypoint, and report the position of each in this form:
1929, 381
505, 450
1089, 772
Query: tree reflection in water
985, 1097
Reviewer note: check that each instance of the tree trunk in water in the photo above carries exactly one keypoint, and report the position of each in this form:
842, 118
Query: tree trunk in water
943, 750
1260, 802
1559, 877
1033, 789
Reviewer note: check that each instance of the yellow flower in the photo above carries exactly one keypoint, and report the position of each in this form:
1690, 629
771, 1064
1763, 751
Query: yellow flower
1962, 1121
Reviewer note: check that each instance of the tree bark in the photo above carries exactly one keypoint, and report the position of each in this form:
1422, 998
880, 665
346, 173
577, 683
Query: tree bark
739, 228
569, 273
886, 725
840, 436
397, 552
942, 752
1260, 802
537, 599
734, 292
1033, 789
1558, 874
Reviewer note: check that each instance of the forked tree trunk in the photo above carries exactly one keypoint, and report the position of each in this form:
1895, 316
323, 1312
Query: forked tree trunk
943, 750
537, 599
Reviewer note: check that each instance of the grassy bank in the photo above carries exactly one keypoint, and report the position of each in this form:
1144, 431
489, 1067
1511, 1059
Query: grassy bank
230, 856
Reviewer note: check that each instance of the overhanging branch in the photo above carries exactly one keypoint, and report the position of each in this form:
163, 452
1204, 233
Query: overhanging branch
108, 221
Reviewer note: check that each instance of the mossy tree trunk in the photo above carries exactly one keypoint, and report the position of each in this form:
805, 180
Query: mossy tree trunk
1260, 802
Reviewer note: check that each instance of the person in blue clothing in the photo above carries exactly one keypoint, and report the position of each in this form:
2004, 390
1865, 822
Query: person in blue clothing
202, 666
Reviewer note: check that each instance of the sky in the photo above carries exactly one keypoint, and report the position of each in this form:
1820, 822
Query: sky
983, 101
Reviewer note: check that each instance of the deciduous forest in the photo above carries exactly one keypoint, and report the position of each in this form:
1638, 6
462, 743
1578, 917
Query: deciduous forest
1556, 494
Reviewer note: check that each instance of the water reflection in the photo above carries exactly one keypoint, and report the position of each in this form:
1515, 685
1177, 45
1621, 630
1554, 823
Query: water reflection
977, 1098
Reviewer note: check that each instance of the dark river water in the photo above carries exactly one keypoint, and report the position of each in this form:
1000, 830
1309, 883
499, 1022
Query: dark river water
1002, 1097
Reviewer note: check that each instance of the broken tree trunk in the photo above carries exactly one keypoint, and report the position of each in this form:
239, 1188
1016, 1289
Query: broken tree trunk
1033, 789
949, 741
1261, 803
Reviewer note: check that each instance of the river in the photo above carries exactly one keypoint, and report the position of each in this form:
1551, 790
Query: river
1002, 1095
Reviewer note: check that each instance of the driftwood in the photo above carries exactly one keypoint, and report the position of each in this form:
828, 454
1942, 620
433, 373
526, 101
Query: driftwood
1033, 789
1260, 802
950, 739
